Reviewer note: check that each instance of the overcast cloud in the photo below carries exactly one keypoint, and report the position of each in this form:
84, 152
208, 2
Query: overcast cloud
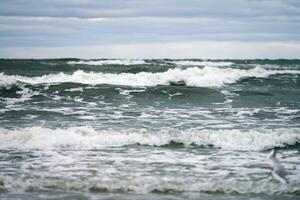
131, 26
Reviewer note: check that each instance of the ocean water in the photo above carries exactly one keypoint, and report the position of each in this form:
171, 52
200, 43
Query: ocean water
148, 129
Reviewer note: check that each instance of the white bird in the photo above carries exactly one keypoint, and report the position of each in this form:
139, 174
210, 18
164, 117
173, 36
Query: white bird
278, 170
171, 95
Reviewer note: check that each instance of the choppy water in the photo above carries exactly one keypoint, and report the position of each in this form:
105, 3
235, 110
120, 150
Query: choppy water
148, 129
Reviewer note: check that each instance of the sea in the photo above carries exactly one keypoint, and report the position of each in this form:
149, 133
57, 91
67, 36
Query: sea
148, 129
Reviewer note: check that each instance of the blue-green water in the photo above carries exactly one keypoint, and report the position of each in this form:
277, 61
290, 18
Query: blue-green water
148, 129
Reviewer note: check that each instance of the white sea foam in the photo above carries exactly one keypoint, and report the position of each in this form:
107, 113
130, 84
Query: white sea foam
203, 63
79, 89
85, 138
249, 112
107, 62
193, 76
25, 95
148, 184
6, 81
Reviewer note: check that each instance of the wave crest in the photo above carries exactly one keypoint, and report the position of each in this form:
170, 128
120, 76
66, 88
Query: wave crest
85, 138
193, 76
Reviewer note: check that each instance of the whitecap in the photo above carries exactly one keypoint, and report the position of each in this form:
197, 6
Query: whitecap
86, 138
193, 76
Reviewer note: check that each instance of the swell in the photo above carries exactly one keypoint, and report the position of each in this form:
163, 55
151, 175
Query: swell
86, 138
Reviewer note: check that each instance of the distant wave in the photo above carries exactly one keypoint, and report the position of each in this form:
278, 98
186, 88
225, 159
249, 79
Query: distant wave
193, 76
86, 138
107, 62
142, 62
203, 63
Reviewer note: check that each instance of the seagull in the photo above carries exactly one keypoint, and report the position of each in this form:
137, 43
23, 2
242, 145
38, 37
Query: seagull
278, 170
171, 95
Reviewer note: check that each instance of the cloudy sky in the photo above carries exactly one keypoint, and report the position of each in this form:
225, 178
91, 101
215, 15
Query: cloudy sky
150, 28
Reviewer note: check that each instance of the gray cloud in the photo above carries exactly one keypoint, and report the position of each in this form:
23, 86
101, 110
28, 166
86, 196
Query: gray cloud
146, 8
56, 23
56, 31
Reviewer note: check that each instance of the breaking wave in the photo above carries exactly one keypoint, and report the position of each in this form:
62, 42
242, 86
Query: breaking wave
193, 76
86, 138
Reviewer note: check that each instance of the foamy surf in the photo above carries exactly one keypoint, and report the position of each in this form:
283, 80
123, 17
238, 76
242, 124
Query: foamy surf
86, 138
152, 184
204, 130
193, 76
